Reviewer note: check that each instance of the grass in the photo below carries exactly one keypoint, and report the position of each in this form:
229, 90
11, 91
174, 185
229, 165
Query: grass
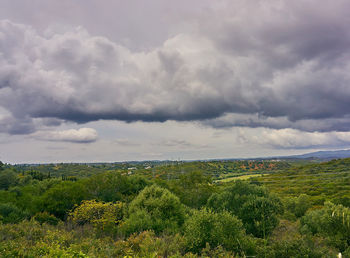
243, 177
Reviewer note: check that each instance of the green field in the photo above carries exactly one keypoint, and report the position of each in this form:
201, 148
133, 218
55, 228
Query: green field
243, 177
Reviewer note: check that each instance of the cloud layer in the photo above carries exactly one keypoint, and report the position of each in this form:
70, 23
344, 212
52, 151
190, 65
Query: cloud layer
276, 64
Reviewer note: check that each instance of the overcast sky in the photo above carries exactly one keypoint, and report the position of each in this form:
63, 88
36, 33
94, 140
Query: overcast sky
115, 80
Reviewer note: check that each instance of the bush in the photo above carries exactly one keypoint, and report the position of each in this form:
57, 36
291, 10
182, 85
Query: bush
147, 244
298, 205
252, 204
332, 221
156, 209
45, 217
215, 229
104, 217
296, 248
10, 213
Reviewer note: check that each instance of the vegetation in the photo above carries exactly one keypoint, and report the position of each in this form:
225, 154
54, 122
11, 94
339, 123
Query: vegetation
175, 209
328, 181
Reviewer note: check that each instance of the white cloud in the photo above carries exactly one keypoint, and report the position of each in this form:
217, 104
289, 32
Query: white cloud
295, 139
82, 135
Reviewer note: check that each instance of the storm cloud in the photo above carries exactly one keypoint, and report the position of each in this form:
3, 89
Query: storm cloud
274, 64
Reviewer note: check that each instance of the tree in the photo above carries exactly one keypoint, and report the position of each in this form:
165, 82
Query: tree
8, 178
253, 204
62, 197
193, 188
113, 186
259, 215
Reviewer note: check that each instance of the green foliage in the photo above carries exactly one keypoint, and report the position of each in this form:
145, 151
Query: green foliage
155, 208
8, 178
45, 217
295, 248
62, 197
193, 188
298, 205
38, 175
101, 226
30, 239
332, 221
259, 215
343, 200
207, 227
326, 181
252, 204
68, 169
147, 244
113, 186
9, 213
104, 217
30, 196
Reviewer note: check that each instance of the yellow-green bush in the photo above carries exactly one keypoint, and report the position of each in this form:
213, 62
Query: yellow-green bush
104, 217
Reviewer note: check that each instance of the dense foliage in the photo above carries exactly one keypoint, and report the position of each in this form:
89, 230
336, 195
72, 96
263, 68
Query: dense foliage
253, 204
174, 209
156, 209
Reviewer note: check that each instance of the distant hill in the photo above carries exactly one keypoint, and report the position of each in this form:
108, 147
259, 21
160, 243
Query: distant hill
326, 155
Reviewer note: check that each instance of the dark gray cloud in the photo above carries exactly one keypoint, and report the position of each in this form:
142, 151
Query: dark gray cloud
137, 24
278, 64
256, 121
12, 125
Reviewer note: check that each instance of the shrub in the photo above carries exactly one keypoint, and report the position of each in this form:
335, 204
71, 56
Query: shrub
332, 221
104, 217
147, 244
252, 204
299, 205
10, 213
155, 208
45, 217
215, 229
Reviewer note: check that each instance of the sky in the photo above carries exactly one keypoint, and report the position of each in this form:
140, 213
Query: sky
116, 80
